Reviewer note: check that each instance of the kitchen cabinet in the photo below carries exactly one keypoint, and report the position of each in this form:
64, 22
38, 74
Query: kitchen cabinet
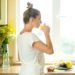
3, 12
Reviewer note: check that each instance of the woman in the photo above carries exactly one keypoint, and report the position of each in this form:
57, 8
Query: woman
30, 48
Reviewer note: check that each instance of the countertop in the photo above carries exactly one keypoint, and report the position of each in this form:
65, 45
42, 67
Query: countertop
14, 70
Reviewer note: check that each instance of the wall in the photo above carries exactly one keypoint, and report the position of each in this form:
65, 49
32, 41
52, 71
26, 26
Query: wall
11, 15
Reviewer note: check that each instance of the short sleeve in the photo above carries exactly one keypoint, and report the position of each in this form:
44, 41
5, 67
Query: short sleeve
33, 38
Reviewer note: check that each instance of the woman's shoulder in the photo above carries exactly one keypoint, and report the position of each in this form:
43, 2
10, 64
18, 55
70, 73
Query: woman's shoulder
29, 34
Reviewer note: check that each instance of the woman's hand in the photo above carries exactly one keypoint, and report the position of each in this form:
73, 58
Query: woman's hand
46, 29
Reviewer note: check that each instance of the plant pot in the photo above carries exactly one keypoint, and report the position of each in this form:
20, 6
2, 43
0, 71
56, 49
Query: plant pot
1, 60
1, 57
6, 63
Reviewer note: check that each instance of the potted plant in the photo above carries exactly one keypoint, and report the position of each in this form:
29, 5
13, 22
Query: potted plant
7, 33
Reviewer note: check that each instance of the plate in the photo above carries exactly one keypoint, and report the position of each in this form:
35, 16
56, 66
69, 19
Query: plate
61, 68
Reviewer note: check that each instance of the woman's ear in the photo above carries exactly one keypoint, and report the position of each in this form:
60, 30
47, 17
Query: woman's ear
31, 20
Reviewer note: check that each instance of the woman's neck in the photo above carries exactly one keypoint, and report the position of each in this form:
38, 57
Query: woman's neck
27, 28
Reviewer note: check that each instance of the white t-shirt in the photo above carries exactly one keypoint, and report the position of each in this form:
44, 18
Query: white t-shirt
32, 59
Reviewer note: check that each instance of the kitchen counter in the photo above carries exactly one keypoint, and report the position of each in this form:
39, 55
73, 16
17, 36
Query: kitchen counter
14, 70
60, 72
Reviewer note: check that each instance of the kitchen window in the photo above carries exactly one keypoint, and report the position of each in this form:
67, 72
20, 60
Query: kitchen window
59, 15
67, 29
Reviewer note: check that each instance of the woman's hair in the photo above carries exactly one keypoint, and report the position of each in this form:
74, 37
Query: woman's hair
30, 12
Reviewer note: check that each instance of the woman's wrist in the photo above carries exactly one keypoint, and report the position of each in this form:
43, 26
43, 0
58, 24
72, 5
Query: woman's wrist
46, 34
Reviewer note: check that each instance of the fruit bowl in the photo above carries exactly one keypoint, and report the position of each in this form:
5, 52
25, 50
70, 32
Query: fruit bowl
65, 65
62, 68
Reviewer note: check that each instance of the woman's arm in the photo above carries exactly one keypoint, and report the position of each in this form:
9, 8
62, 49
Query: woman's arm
46, 48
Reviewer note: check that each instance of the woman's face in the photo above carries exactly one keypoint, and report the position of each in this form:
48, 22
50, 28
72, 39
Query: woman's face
37, 21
